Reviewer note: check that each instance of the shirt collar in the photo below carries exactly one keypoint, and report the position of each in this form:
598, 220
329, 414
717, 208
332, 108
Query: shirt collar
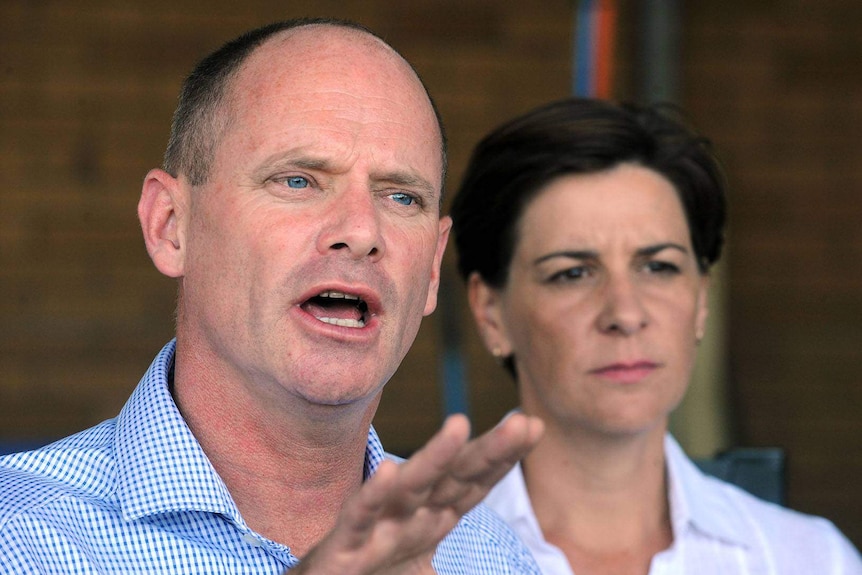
698, 502
161, 467
510, 500
374, 454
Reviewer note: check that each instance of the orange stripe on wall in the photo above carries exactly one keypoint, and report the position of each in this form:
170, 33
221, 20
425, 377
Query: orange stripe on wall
606, 23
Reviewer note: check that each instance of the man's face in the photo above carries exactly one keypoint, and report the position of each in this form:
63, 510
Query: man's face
313, 250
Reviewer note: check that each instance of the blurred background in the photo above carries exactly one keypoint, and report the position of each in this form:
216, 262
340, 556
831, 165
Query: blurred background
87, 89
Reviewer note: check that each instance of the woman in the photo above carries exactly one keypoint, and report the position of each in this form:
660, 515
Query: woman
586, 232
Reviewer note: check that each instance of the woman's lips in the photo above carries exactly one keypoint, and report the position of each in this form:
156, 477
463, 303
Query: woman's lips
626, 372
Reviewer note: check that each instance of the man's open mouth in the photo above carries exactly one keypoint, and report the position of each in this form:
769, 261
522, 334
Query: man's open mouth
338, 308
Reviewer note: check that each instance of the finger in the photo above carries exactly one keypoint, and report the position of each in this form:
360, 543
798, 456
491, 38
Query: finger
398, 490
369, 538
361, 512
483, 461
497, 450
421, 472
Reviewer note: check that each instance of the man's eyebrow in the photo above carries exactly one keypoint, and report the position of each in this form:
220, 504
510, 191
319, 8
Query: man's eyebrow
405, 179
298, 161
395, 177
308, 163
282, 161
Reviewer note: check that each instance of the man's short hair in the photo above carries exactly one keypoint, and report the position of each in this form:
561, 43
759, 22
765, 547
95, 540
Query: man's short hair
200, 117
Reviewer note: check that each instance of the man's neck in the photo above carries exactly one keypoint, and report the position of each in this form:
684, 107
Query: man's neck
289, 471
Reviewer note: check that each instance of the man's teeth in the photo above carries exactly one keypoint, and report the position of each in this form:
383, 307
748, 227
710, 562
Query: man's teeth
339, 295
343, 322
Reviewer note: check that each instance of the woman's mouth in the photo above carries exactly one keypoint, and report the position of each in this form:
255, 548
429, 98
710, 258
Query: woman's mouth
629, 372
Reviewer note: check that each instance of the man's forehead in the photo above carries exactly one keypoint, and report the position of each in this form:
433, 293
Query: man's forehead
316, 78
310, 46
325, 57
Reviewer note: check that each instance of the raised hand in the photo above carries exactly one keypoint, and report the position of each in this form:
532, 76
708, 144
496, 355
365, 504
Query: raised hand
395, 521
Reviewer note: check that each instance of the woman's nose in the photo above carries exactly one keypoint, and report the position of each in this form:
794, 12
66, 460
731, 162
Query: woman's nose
622, 312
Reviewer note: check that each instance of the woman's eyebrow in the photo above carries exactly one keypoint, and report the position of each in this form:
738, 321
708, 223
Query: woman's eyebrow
654, 249
591, 254
571, 254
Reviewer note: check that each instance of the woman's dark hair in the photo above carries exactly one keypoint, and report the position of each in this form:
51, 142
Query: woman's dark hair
511, 165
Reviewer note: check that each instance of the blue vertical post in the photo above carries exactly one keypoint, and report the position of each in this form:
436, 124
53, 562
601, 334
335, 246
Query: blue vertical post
453, 381
582, 57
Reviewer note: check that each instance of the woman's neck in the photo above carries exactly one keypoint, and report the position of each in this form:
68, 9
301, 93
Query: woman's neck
602, 500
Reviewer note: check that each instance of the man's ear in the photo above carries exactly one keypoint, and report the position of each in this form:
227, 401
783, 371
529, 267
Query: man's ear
444, 227
162, 210
487, 311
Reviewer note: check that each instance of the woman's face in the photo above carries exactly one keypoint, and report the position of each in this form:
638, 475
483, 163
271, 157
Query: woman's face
604, 302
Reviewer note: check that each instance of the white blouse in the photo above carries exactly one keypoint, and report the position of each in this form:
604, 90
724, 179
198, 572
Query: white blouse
718, 529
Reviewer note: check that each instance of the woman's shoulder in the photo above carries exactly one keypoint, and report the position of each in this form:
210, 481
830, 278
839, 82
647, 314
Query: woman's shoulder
790, 540
796, 541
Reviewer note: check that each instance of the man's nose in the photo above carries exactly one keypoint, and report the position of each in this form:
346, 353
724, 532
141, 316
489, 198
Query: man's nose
353, 225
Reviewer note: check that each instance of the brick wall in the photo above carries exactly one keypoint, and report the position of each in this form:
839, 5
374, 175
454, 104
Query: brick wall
86, 93
778, 87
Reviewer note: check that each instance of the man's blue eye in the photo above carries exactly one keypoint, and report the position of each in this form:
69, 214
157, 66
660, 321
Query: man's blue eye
405, 199
297, 182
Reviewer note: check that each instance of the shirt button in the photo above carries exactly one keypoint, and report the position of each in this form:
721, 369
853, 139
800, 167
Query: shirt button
251, 540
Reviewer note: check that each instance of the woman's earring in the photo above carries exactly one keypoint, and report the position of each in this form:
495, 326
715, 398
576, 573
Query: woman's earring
497, 353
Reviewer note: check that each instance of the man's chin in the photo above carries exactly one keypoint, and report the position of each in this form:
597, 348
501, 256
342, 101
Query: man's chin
334, 397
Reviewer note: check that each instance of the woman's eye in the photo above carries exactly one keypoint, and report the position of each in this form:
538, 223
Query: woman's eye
569, 274
296, 182
403, 199
662, 267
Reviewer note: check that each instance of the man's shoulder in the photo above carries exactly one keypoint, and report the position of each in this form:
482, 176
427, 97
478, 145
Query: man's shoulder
80, 466
483, 543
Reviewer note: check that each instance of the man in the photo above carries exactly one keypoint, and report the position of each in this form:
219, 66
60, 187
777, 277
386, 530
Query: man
299, 211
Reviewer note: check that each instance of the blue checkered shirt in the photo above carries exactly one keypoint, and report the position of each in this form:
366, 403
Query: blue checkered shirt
137, 494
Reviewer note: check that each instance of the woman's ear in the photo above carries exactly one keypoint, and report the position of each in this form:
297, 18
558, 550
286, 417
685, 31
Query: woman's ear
161, 211
702, 308
485, 303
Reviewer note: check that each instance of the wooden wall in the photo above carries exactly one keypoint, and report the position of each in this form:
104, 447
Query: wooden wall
86, 93
778, 87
